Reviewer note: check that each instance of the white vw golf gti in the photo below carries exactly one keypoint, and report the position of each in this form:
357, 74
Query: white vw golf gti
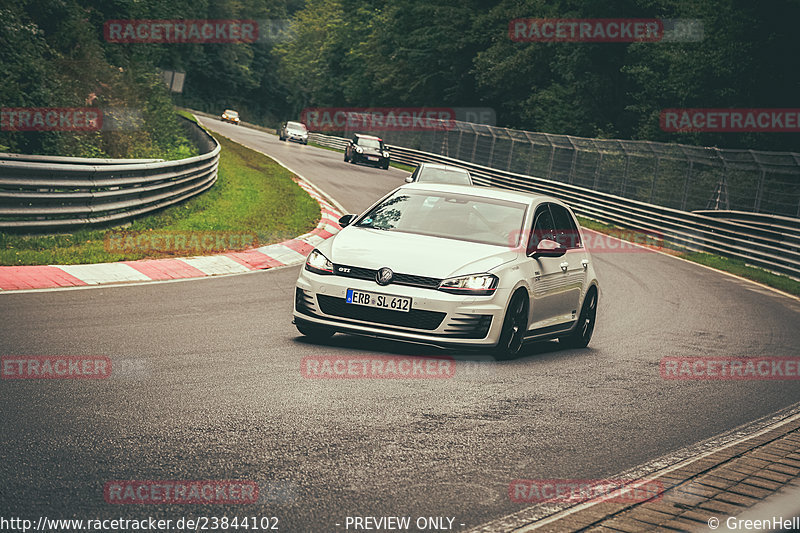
453, 265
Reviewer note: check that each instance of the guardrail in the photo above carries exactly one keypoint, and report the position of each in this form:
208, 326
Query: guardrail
44, 193
772, 248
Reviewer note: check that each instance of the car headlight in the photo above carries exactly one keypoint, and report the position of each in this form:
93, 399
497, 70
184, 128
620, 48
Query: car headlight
318, 263
385, 154
474, 285
359, 149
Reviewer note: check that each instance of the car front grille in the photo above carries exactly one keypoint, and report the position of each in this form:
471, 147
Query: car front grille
399, 279
415, 318
468, 326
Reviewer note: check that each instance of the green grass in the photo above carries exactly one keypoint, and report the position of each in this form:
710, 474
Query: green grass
734, 266
252, 195
186, 114
401, 166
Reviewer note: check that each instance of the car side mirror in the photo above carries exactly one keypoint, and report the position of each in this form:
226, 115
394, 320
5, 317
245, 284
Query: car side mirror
547, 248
346, 220
409, 179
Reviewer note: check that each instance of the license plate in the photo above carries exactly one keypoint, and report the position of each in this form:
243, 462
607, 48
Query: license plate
372, 158
381, 301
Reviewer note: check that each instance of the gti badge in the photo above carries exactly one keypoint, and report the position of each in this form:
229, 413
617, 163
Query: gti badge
384, 276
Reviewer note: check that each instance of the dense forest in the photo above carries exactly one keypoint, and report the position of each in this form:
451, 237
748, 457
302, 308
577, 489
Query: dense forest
449, 53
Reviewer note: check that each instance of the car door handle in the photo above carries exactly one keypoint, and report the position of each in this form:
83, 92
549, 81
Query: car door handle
564, 266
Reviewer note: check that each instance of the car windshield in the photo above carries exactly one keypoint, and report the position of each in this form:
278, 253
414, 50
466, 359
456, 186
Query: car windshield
231, 113
370, 143
443, 175
449, 215
296, 126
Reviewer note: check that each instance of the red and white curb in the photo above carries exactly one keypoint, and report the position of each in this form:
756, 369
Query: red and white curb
291, 252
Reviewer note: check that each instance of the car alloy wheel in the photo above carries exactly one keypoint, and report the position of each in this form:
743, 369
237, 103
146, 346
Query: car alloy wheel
582, 334
515, 325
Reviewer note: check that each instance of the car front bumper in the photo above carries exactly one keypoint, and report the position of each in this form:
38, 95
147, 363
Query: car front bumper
378, 161
436, 317
297, 138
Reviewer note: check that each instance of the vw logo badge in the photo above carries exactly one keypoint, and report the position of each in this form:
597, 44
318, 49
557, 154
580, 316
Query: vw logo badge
384, 276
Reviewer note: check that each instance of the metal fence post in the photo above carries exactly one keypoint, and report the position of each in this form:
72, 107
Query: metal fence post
686, 185
655, 178
491, 150
571, 178
552, 157
625, 172
597, 172
474, 145
510, 153
530, 158
759, 192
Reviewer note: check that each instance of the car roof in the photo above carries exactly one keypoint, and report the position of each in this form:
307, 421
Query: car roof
230, 111
365, 136
443, 167
295, 123
487, 192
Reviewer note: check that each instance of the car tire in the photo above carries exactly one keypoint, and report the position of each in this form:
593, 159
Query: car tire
313, 332
346, 159
515, 324
582, 334
385, 166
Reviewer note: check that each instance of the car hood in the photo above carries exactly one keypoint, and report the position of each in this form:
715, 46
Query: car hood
296, 132
407, 253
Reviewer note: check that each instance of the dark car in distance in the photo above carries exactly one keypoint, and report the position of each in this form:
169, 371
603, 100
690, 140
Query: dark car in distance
367, 149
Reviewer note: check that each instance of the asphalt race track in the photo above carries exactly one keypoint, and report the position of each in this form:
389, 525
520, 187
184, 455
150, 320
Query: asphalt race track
207, 385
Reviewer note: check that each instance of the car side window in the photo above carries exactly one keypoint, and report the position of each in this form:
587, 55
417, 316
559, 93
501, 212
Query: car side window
543, 227
566, 232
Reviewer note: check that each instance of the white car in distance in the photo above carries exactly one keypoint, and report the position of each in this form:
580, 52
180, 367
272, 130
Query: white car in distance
437, 173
